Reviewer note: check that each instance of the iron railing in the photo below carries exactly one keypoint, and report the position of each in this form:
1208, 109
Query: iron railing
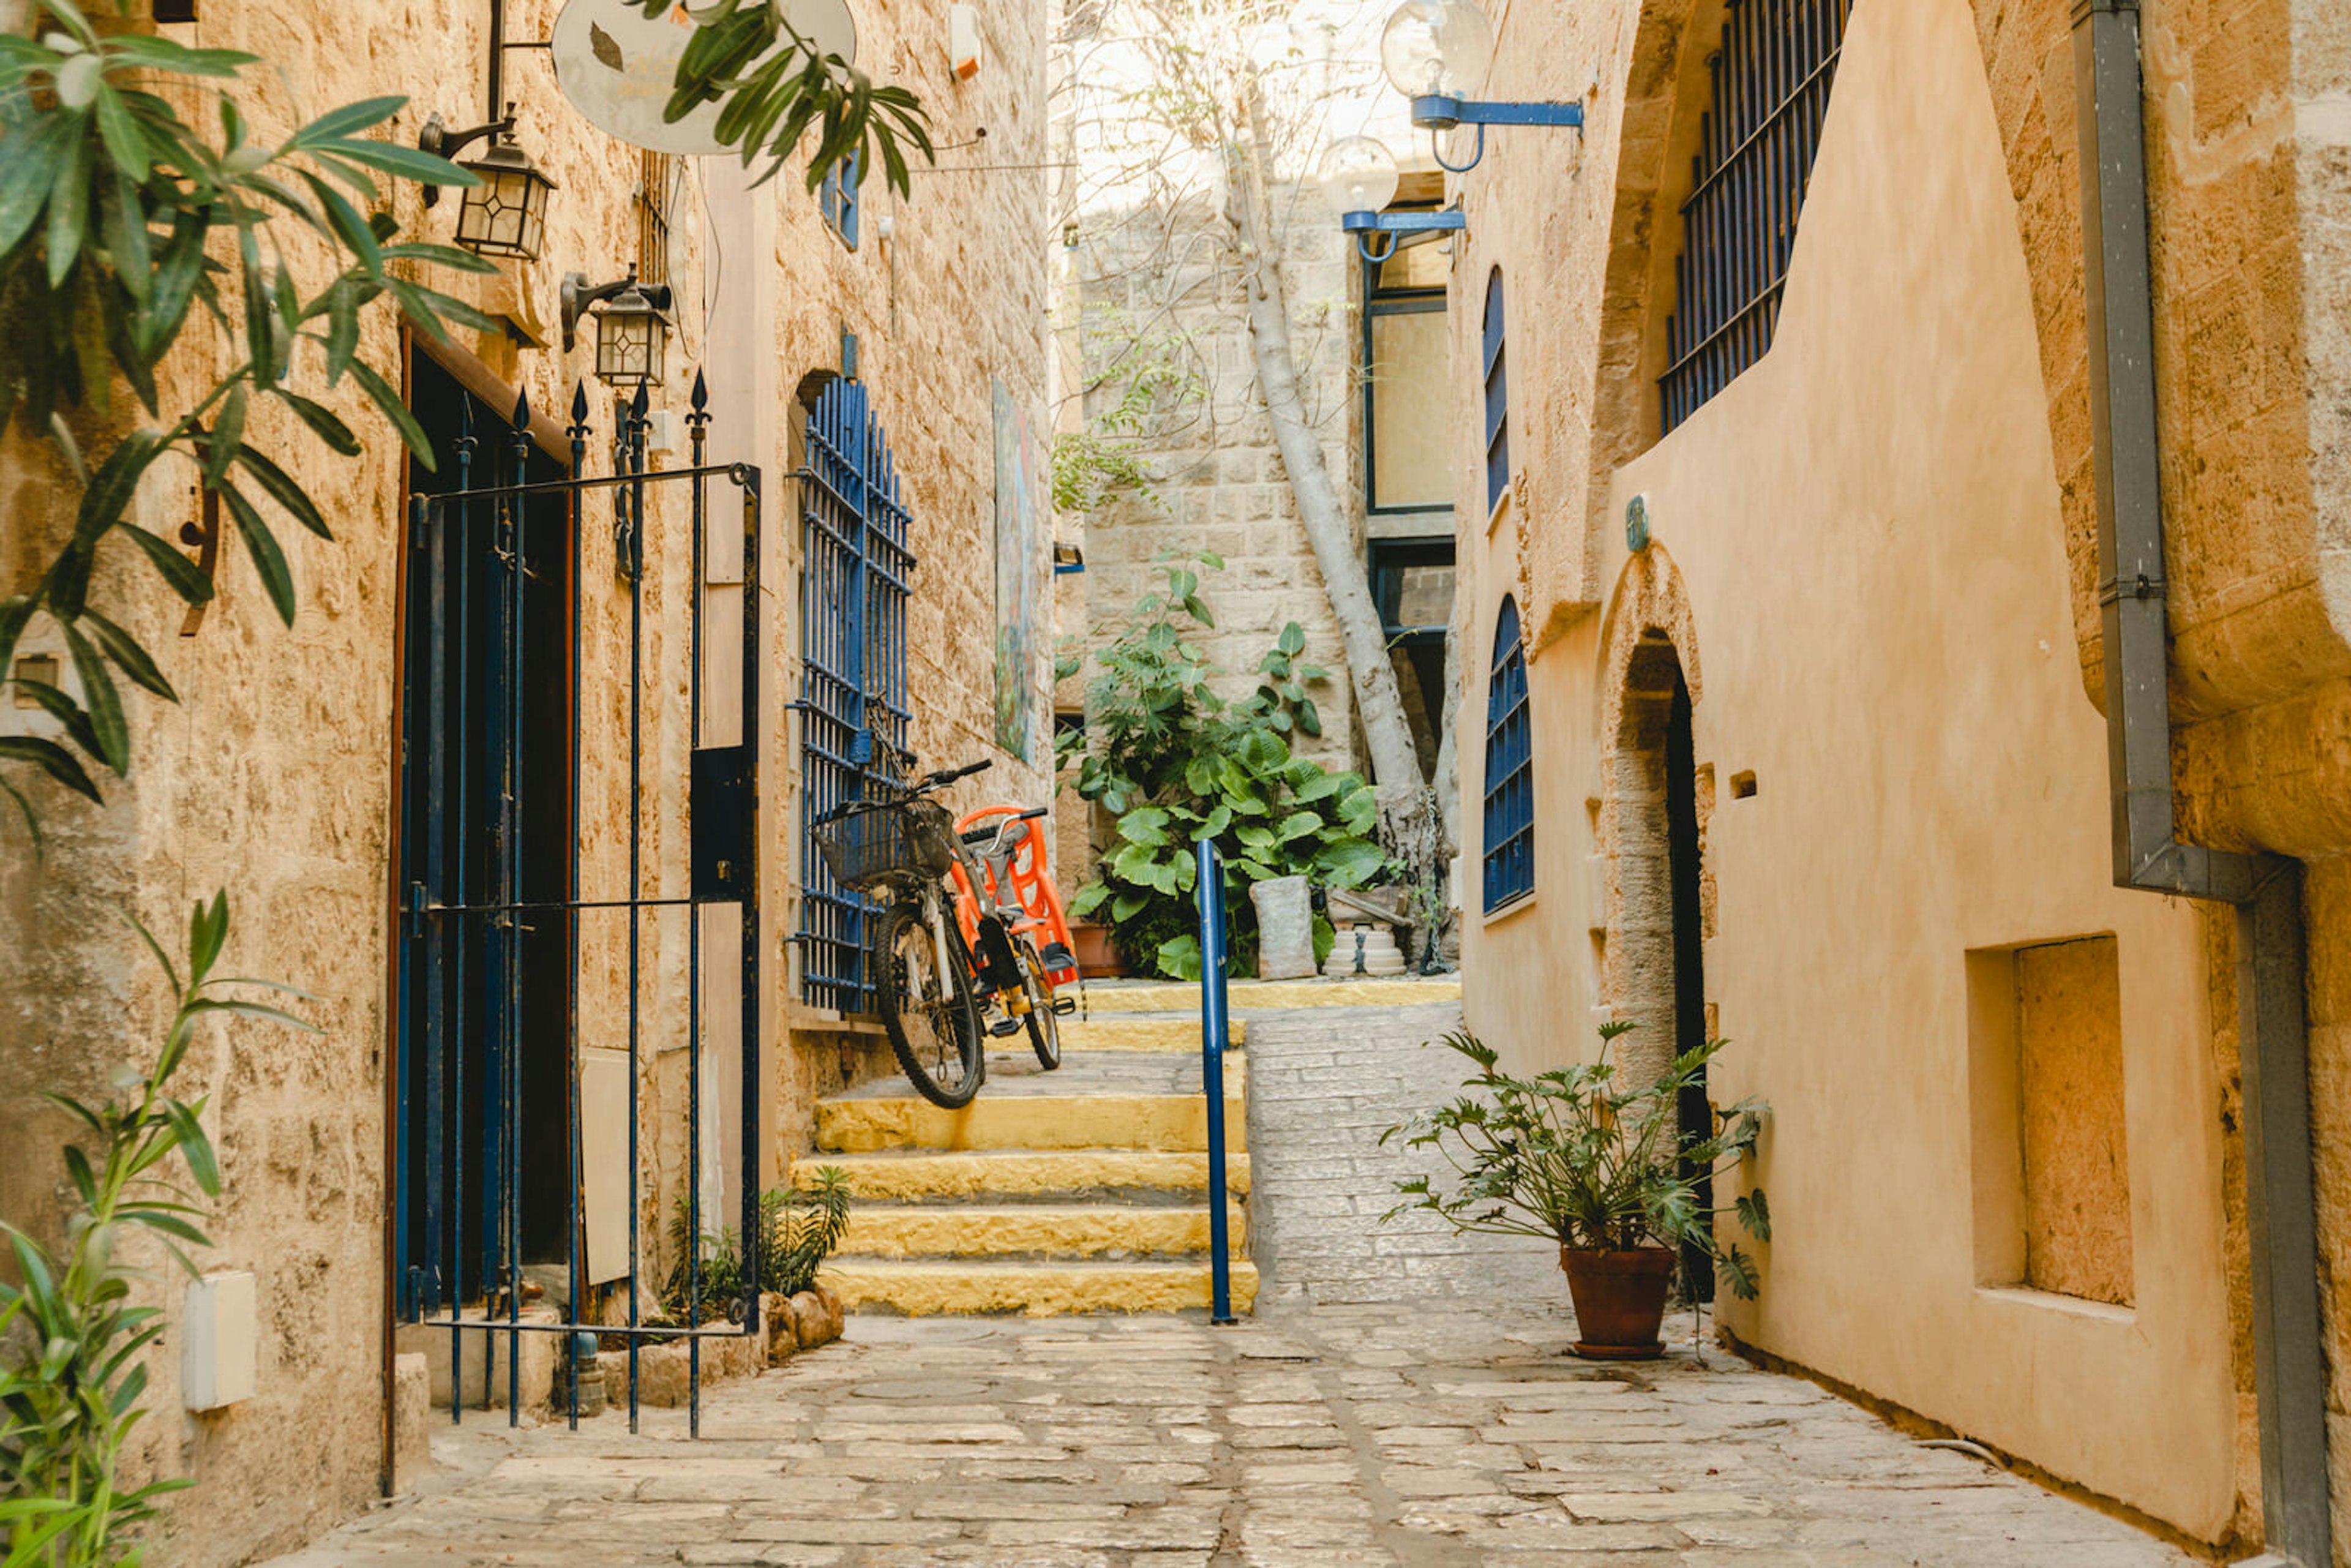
1208, 898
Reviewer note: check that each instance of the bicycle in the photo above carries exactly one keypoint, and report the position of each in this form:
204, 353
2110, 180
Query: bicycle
1018, 887
936, 978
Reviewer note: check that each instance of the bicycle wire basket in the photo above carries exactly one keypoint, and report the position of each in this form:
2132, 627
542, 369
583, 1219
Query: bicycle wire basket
871, 843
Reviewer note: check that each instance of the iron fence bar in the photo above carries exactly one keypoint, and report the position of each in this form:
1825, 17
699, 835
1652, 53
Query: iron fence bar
463, 565
550, 906
694, 598
1208, 898
748, 907
575, 1238
510, 854
631, 480
491, 1327
630, 462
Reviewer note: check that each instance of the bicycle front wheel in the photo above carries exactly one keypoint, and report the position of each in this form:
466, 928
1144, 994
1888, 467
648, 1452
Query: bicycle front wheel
1044, 1023
933, 1018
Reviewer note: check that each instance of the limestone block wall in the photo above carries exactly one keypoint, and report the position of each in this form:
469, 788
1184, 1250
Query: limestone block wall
274, 778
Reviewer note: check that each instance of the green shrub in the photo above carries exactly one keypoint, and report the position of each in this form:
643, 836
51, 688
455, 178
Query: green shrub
1175, 762
798, 1232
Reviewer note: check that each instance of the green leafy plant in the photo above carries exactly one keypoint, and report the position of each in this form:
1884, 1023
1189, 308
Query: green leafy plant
1578, 1157
1175, 762
776, 84
70, 1335
119, 224
799, 1230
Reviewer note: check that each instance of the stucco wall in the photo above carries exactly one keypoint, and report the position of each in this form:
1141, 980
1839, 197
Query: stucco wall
275, 776
1859, 565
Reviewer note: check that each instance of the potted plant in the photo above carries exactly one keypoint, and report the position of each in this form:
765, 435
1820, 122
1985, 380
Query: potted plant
1580, 1157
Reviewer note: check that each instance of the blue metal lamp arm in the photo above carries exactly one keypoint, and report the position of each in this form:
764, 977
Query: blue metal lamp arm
1363, 225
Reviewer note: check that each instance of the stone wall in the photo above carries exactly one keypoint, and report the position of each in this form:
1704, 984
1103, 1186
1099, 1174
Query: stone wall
275, 776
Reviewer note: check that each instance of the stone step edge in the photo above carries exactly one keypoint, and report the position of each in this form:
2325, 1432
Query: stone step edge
1038, 1232
1035, 1290
1148, 1123
957, 1178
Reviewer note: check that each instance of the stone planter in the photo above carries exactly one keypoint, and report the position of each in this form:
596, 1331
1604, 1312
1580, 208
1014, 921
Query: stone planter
1620, 1301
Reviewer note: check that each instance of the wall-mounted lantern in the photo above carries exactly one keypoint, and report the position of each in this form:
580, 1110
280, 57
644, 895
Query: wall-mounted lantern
1359, 179
632, 326
1437, 53
505, 215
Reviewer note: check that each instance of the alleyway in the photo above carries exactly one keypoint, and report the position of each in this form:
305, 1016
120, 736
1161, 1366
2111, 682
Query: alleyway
1337, 1435
1404, 1397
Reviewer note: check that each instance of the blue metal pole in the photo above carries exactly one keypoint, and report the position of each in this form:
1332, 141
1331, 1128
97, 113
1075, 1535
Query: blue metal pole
1208, 896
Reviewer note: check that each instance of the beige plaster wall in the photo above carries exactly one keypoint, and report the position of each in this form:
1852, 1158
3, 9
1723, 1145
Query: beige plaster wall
1859, 563
275, 776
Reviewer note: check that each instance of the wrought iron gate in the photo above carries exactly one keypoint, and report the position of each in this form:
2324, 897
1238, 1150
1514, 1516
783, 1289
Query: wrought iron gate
546, 953
853, 667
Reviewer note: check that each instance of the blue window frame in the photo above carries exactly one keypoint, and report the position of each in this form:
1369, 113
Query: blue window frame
839, 199
1509, 770
1498, 397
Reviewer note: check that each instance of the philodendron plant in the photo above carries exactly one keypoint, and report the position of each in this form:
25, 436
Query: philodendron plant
1580, 1156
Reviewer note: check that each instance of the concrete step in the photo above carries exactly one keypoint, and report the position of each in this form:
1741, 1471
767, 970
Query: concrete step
1037, 1290
1120, 1031
1169, 996
879, 1233
1139, 1177
864, 1124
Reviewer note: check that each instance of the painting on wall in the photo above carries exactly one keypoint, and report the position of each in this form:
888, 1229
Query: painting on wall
1016, 560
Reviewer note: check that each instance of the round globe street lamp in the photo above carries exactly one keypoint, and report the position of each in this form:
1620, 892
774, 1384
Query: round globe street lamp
1358, 176
1437, 53
632, 326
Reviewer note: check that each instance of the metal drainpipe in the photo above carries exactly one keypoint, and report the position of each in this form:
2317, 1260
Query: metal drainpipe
2290, 1373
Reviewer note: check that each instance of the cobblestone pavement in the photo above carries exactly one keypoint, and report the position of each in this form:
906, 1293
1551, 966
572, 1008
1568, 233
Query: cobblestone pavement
1325, 1082
1339, 1437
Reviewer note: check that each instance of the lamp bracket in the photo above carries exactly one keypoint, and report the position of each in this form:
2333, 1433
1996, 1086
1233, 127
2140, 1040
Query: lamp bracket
577, 294
1437, 113
438, 140
1362, 226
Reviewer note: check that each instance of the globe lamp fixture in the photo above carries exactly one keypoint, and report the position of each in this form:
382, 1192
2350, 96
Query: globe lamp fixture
1437, 53
1358, 176
632, 326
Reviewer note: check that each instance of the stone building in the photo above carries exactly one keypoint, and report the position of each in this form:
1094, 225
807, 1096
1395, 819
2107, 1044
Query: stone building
1156, 342
1785, 701
301, 772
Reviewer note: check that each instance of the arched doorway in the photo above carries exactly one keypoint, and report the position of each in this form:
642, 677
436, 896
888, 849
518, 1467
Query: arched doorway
1652, 829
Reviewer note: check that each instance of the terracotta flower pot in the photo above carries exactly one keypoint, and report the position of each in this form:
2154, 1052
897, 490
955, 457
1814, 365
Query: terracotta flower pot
1620, 1299
1097, 960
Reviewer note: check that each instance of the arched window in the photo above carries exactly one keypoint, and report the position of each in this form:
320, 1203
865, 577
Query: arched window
1498, 396
1756, 145
1509, 770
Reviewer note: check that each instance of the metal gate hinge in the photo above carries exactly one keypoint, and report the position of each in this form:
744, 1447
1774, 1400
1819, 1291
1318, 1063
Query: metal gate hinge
416, 909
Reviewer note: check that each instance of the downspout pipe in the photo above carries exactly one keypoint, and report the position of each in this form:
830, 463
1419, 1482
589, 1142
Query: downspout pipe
2290, 1373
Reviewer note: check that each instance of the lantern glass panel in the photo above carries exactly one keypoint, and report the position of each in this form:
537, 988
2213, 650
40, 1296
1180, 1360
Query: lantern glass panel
505, 215
630, 346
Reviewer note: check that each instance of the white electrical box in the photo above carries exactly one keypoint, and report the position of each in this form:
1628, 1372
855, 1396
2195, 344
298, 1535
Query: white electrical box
217, 1353
963, 40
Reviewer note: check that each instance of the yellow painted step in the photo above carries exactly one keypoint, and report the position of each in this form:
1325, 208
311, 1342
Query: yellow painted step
1117, 1034
1173, 996
1039, 1290
1024, 1172
1166, 1122
1042, 1230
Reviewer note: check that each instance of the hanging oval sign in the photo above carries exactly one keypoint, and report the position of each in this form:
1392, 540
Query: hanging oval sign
618, 69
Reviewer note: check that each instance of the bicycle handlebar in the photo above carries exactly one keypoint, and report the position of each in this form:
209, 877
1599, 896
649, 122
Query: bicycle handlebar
949, 775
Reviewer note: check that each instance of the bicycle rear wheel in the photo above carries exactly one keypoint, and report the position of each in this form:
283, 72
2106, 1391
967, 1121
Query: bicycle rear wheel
932, 1018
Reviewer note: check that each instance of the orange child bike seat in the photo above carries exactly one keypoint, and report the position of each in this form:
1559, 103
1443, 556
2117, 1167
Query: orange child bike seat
1032, 887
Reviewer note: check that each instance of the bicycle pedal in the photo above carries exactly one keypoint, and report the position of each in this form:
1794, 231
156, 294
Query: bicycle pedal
1000, 1027
1064, 1005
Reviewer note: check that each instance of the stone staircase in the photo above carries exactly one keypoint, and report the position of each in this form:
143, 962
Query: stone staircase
1080, 1190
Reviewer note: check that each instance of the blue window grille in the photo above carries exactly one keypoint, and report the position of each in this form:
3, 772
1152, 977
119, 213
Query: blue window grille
853, 711
839, 199
1498, 397
1509, 770
1756, 145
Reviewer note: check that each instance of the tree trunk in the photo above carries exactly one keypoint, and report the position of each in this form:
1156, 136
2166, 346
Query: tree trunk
1379, 706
